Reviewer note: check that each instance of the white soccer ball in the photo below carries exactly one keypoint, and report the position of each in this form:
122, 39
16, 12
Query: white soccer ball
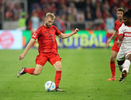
50, 86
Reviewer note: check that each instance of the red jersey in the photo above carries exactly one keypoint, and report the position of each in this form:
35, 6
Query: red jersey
46, 38
117, 26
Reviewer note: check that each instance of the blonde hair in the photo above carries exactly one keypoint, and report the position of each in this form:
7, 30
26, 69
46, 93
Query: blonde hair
51, 15
120, 9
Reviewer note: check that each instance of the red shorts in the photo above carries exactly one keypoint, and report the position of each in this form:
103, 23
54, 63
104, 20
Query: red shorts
42, 58
115, 47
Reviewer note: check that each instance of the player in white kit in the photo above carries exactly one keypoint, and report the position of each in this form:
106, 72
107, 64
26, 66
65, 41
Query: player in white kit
124, 54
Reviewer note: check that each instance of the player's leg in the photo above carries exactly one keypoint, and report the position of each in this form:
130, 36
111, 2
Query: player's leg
40, 61
58, 68
32, 71
112, 65
120, 67
125, 69
55, 60
114, 52
120, 60
119, 64
112, 62
127, 62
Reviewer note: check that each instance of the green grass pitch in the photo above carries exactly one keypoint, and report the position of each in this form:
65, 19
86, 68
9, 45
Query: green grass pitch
84, 76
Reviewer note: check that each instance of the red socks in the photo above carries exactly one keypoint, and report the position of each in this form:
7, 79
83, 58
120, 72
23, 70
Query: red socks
57, 78
112, 66
29, 70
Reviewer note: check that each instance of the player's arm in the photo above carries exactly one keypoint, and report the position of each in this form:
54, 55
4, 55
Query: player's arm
121, 31
26, 49
112, 37
68, 35
120, 40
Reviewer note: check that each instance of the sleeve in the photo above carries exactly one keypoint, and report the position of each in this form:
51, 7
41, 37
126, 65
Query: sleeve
57, 31
35, 35
121, 30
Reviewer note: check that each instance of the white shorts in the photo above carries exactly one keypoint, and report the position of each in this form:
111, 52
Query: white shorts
123, 52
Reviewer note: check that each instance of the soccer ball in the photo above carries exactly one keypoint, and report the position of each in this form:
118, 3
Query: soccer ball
50, 86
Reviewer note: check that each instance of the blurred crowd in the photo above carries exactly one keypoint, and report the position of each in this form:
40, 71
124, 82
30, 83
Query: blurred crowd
12, 10
96, 12
0, 5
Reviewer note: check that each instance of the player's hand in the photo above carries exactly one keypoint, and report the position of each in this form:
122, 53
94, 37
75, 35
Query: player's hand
108, 42
76, 30
21, 56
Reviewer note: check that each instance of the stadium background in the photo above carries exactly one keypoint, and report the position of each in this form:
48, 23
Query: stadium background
95, 17
85, 70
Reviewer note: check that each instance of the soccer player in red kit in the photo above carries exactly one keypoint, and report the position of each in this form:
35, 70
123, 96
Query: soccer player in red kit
115, 48
47, 49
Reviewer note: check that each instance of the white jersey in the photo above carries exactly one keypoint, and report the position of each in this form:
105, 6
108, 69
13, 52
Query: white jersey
125, 47
126, 32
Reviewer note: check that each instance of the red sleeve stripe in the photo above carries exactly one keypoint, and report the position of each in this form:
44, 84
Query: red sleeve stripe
128, 53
